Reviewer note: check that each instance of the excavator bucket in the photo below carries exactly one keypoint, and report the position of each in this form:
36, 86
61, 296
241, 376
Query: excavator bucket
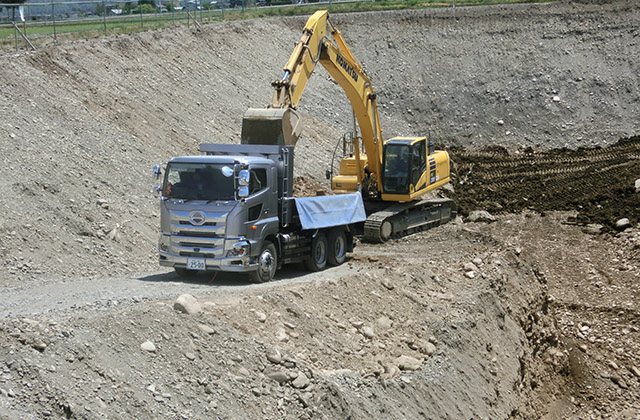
275, 126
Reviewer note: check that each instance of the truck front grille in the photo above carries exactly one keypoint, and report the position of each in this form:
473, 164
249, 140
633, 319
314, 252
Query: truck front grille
198, 234
186, 222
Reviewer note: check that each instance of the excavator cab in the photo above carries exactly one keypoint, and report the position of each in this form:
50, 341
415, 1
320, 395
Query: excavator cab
411, 167
403, 165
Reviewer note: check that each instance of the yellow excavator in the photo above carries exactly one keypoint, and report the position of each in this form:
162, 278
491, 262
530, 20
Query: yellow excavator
393, 175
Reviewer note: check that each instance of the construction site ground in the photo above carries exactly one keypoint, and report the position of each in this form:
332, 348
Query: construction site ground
525, 306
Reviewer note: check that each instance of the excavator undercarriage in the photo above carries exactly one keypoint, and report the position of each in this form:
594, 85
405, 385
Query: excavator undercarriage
402, 219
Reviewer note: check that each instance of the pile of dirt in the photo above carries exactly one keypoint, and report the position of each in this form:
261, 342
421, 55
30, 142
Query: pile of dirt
599, 183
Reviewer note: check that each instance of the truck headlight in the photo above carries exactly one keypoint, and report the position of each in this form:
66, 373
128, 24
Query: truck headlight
240, 249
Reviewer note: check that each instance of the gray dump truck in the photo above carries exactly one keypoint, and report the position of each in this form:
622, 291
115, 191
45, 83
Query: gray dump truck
232, 209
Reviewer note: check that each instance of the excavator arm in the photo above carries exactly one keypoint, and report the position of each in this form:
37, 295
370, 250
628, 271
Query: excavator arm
322, 42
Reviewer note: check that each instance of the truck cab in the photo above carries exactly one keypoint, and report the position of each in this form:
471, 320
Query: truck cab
232, 210
209, 218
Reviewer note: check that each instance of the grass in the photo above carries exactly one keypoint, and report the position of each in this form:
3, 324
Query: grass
90, 28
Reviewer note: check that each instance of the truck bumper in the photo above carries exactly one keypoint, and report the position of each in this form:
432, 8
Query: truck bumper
232, 264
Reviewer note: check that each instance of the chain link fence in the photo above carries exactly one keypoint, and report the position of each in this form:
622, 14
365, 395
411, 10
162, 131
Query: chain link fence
29, 24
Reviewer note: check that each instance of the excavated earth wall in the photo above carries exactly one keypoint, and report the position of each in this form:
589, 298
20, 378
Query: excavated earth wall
525, 317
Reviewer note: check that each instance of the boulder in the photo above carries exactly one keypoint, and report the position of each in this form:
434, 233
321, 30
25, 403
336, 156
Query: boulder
187, 304
481, 216
622, 224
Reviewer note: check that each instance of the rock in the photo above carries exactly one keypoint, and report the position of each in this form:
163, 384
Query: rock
262, 317
357, 324
282, 336
619, 381
470, 267
278, 376
593, 229
305, 399
635, 371
477, 261
556, 99
244, 372
623, 223
428, 348
148, 346
40, 346
190, 356
274, 356
301, 381
209, 306
113, 234
500, 122
187, 304
481, 216
206, 329
368, 332
408, 363
387, 284
383, 323
638, 185
470, 274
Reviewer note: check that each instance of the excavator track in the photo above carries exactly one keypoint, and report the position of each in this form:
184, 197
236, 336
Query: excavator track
404, 219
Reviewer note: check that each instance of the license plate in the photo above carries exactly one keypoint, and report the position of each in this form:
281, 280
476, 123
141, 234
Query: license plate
195, 264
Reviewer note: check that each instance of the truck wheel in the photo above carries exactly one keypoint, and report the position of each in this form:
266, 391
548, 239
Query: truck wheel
317, 261
185, 273
267, 264
337, 247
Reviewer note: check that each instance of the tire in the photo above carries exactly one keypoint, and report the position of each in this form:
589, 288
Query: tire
317, 261
267, 264
337, 247
185, 273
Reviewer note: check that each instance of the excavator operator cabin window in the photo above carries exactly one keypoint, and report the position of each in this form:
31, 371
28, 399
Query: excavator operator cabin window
418, 162
396, 168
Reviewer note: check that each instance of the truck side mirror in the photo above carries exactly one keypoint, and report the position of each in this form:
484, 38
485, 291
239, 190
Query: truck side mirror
243, 191
244, 177
157, 170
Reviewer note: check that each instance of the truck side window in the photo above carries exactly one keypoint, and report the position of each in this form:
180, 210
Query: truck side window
258, 180
254, 212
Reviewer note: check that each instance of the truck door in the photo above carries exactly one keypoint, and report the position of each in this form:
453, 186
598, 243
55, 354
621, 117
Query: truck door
262, 203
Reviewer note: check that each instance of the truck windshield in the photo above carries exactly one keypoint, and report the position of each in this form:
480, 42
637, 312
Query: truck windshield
198, 181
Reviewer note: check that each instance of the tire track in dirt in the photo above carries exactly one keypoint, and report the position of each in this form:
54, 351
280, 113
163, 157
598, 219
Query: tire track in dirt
597, 183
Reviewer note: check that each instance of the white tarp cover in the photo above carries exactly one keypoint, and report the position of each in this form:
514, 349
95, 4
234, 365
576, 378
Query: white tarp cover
330, 210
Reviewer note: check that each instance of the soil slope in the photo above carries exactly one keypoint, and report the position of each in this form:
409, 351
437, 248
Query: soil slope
532, 315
